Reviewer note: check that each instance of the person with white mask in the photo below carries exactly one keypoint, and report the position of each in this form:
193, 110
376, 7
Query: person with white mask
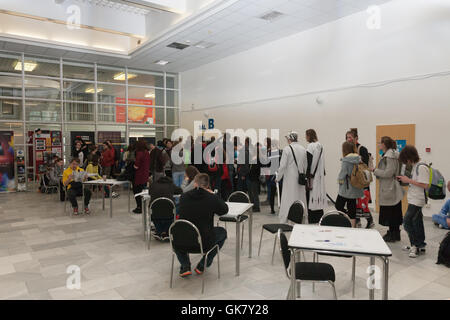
293, 166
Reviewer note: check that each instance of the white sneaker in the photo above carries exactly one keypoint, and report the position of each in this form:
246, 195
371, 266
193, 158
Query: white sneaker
408, 248
413, 252
115, 195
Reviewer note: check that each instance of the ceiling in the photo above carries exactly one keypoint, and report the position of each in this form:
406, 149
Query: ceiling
230, 26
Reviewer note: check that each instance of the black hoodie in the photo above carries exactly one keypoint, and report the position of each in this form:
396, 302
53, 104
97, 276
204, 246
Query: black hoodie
199, 206
164, 188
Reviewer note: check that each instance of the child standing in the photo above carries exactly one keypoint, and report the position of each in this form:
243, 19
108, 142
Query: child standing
413, 220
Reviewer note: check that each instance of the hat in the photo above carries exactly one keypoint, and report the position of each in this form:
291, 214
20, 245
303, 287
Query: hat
292, 136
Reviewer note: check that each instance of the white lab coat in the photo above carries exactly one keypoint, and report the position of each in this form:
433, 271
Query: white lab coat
318, 195
289, 172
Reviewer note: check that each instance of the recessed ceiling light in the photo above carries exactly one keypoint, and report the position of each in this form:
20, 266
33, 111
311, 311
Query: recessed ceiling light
121, 76
150, 95
177, 45
92, 90
162, 62
29, 66
204, 45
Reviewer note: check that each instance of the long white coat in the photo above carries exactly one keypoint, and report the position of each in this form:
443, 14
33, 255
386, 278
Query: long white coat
318, 195
288, 171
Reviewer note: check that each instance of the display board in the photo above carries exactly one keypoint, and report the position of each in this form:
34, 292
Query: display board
402, 133
136, 114
7, 180
46, 145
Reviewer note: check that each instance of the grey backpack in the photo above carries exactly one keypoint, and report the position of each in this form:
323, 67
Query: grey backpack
436, 190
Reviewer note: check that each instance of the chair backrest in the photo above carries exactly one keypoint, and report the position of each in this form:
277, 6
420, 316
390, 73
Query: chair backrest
162, 208
296, 212
335, 219
239, 196
285, 252
185, 237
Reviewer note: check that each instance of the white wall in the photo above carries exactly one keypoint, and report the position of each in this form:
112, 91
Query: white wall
267, 87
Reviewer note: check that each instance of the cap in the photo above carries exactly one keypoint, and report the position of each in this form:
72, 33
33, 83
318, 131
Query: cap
292, 136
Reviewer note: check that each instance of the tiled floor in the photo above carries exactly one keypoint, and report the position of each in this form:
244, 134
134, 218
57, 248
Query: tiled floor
38, 241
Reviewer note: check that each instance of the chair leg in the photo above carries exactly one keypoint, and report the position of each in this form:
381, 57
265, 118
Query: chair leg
274, 245
171, 270
288, 297
334, 289
218, 263
299, 289
353, 275
242, 237
260, 240
314, 284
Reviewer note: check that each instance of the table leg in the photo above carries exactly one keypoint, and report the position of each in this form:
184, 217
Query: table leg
372, 289
250, 224
82, 195
129, 193
144, 217
110, 201
103, 192
386, 278
293, 287
238, 245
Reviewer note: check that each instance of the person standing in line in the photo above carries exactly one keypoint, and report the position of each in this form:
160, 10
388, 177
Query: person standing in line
317, 196
413, 220
293, 162
142, 172
352, 137
167, 155
391, 192
274, 156
348, 194
178, 169
156, 161
253, 181
107, 163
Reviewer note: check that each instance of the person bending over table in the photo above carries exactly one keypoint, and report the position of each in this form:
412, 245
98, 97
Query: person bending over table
199, 206
443, 217
73, 178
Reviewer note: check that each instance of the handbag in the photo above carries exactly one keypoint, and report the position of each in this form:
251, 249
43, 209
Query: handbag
301, 176
309, 185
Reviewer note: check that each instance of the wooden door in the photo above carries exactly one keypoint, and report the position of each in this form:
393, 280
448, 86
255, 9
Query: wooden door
403, 134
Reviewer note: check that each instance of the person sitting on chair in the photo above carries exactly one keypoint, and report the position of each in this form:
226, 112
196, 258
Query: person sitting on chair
163, 188
199, 206
443, 217
73, 177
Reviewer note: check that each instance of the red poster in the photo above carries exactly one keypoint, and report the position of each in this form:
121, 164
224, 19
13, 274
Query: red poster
136, 114
7, 181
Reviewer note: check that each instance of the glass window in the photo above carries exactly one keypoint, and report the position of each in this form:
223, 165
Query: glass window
172, 98
42, 88
172, 116
107, 113
41, 67
142, 78
79, 111
145, 96
172, 81
45, 111
114, 75
110, 93
72, 70
9, 63
10, 86
10, 109
17, 127
170, 130
79, 91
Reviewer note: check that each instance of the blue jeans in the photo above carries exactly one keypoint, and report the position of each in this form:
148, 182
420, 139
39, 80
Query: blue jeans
162, 225
441, 219
413, 224
178, 178
183, 257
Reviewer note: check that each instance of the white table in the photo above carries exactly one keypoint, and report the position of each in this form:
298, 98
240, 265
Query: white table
338, 240
235, 210
110, 183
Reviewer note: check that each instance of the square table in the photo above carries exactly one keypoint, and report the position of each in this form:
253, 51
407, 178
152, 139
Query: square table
339, 240
110, 183
235, 210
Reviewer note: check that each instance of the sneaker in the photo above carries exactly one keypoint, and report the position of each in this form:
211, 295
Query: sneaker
387, 237
87, 211
370, 225
164, 236
408, 248
75, 211
199, 269
157, 236
185, 271
413, 252
256, 210
115, 195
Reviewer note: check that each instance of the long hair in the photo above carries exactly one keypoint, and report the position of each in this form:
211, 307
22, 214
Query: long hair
311, 135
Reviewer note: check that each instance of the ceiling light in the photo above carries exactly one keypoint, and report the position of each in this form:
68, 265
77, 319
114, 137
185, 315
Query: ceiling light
150, 95
204, 45
29, 66
271, 16
92, 90
162, 62
177, 45
121, 76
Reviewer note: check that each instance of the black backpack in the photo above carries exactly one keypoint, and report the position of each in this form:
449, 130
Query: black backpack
444, 251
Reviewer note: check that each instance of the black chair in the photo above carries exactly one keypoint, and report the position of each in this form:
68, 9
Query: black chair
242, 197
162, 209
337, 219
295, 214
185, 237
305, 271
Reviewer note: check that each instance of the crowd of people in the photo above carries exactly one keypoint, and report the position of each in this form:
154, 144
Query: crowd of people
226, 165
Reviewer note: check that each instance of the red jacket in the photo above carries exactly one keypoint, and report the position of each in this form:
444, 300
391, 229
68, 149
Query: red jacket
143, 167
108, 157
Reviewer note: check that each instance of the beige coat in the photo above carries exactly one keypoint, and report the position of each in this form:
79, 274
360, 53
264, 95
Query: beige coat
391, 191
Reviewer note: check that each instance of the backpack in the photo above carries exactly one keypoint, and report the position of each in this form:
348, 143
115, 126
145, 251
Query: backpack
436, 191
361, 176
444, 251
